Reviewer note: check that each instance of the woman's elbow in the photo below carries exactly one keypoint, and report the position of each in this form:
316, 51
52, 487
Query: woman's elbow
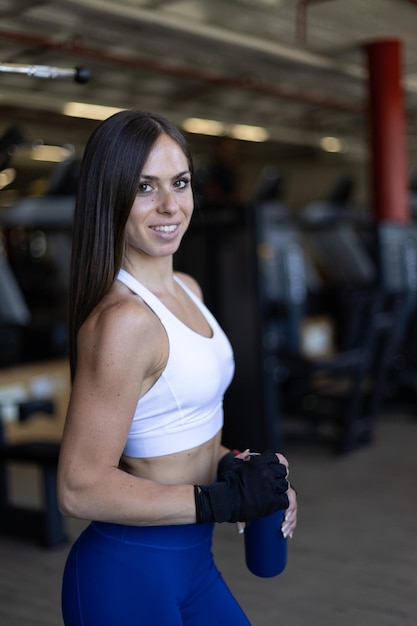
70, 497
67, 501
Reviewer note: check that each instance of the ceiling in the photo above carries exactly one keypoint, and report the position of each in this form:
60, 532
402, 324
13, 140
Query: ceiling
294, 67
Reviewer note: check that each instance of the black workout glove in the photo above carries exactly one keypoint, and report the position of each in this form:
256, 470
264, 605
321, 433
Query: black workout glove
227, 462
247, 491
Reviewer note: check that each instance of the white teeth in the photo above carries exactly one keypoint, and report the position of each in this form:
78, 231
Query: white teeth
165, 229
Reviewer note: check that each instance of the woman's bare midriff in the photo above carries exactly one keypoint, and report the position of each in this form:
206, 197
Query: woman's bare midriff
194, 466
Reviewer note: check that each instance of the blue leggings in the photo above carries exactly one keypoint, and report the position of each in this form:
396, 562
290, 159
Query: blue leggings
120, 575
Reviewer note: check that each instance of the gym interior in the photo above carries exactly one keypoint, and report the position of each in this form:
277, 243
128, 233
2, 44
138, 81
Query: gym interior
302, 119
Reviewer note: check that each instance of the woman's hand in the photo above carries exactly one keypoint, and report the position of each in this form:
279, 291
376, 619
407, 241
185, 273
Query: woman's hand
290, 519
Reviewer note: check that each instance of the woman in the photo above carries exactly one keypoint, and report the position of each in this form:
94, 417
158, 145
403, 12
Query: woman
142, 441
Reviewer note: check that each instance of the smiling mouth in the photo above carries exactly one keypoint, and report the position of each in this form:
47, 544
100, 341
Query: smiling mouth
165, 229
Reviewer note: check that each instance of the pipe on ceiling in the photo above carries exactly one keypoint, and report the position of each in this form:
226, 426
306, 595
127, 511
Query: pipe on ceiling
301, 18
250, 84
215, 34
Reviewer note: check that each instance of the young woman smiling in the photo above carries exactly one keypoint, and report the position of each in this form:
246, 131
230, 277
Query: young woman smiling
141, 453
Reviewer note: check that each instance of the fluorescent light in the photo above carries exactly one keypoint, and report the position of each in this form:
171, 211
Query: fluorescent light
204, 127
7, 176
220, 129
331, 144
55, 154
89, 111
248, 133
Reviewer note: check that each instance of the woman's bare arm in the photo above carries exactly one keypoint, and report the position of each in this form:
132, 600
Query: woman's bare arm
122, 350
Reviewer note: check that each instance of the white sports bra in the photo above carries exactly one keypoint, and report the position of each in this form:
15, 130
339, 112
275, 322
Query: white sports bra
184, 408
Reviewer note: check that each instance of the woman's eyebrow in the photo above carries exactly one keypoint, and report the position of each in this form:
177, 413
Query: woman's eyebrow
151, 177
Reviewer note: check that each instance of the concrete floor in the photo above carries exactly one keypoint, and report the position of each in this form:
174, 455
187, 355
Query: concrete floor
352, 561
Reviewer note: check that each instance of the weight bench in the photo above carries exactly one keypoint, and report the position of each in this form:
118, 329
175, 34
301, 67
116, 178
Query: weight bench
44, 525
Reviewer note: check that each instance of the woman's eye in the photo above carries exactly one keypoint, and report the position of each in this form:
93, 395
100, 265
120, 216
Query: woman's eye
144, 187
182, 183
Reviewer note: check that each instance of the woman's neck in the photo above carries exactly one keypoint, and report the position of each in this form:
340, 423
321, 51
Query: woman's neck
157, 275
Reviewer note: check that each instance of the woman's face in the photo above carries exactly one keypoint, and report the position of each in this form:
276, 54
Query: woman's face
163, 207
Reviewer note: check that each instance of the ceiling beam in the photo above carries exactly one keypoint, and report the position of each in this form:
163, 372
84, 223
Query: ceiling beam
184, 72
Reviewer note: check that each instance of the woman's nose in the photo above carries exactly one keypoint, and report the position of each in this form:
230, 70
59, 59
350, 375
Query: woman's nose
168, 201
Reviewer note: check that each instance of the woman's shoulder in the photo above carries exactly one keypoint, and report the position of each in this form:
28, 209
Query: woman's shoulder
122, 338
120, 316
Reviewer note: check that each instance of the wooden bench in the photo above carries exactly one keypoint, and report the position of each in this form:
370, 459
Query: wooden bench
44, 525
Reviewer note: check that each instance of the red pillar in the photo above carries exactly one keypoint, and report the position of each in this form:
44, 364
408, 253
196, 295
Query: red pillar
390, 195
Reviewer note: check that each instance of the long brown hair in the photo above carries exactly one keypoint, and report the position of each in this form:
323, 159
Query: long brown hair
112, 163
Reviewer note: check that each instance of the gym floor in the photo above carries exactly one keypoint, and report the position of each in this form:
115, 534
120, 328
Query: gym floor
352, 561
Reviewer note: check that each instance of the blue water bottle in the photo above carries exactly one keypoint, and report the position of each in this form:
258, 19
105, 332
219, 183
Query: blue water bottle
266, 546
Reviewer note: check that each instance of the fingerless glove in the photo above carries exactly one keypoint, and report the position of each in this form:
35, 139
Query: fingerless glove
247, 491
227, 462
